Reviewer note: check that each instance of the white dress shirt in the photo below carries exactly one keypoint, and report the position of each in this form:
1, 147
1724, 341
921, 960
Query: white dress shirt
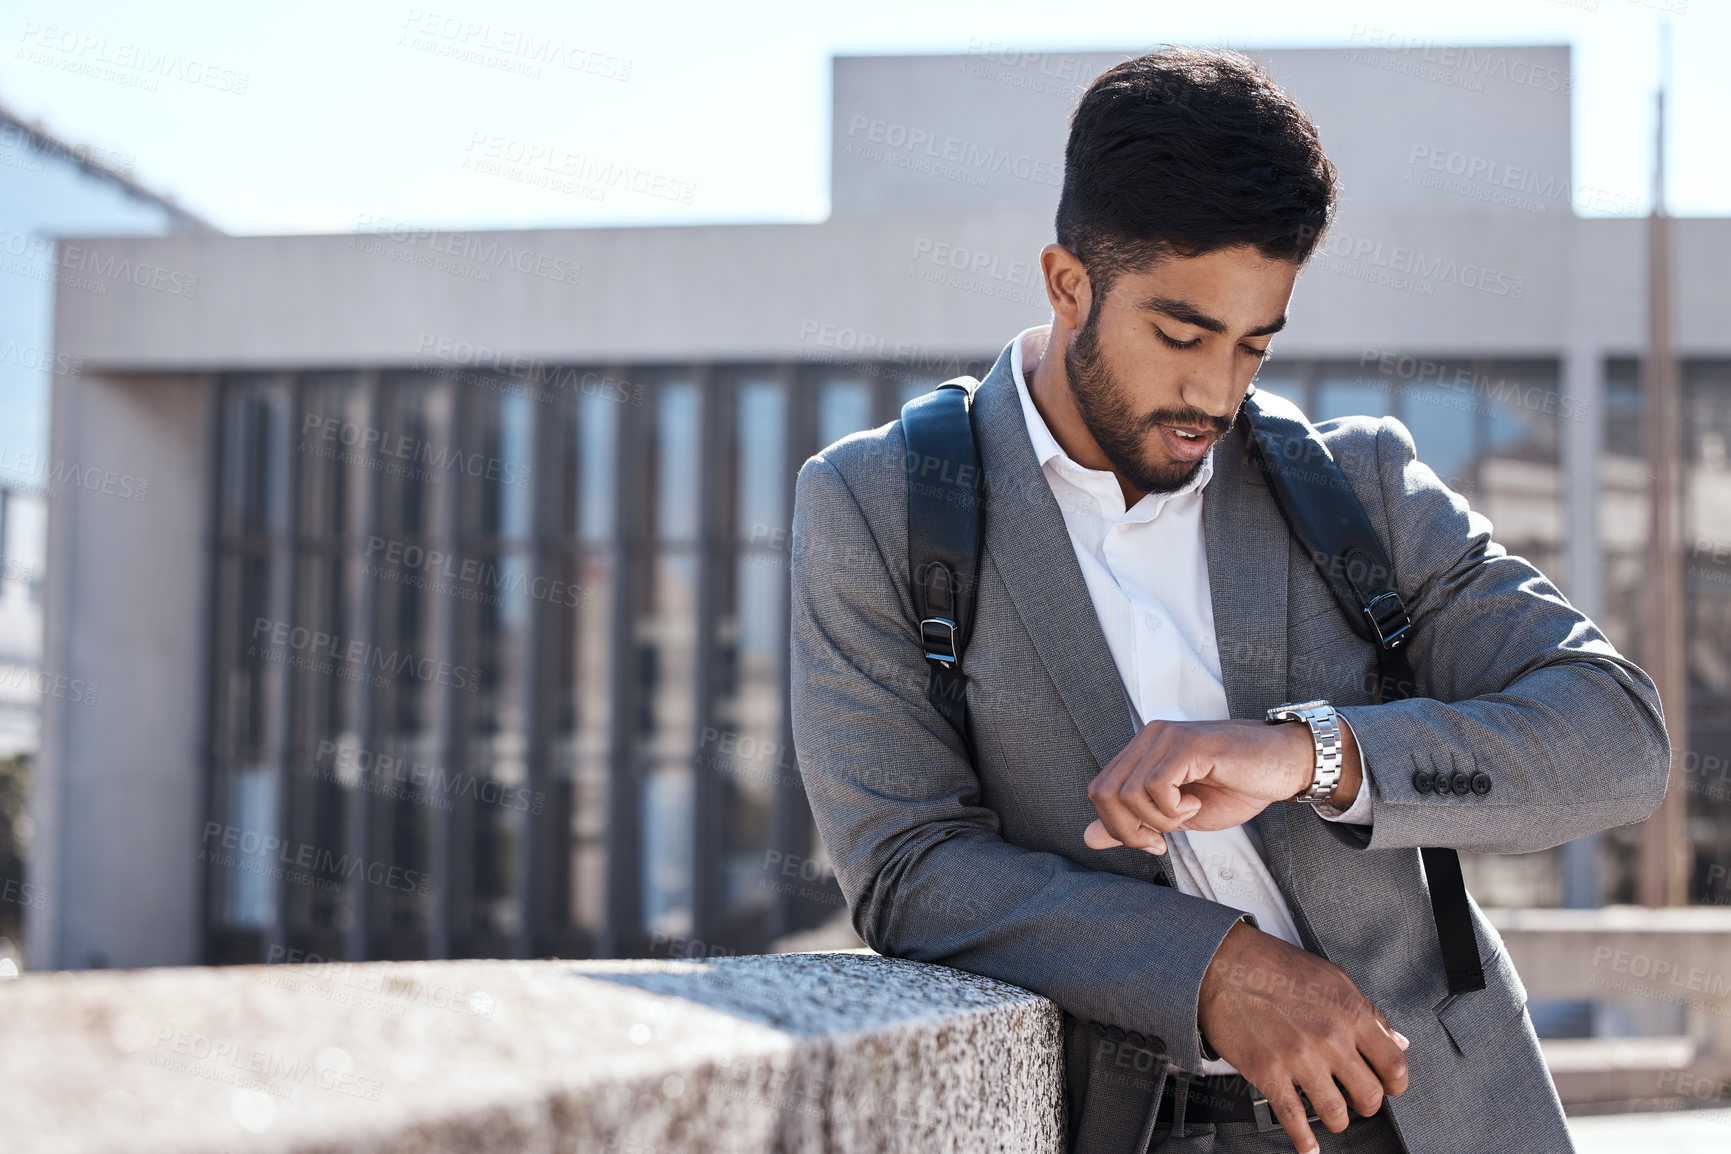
1146, 568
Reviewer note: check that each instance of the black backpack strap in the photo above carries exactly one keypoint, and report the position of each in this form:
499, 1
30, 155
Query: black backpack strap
1325, 515
946, 517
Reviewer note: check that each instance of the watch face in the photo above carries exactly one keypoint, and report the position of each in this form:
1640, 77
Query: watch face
1292, 710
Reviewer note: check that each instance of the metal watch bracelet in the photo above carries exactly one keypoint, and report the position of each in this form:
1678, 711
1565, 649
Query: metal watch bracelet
1324, 726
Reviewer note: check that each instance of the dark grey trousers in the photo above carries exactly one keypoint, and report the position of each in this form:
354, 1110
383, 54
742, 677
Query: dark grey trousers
1373, 1135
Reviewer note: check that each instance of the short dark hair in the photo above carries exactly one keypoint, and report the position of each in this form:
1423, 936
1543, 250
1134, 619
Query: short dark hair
1183, 151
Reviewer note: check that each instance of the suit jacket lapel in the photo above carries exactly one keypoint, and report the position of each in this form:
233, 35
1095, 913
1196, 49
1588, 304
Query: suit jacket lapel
1031, 551
1248, 545
1249, 550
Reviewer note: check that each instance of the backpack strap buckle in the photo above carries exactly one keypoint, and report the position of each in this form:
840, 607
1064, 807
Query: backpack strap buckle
938, 635
1389, 618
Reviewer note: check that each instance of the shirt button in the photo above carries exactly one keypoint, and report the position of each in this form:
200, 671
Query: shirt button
1227, 875
1151, 621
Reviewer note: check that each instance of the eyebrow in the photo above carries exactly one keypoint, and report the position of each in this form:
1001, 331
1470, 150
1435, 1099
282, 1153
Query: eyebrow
1186, 313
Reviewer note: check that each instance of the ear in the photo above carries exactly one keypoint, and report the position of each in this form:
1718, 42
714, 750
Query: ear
1067, 286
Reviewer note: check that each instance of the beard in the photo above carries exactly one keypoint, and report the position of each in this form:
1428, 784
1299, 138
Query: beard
1131, 441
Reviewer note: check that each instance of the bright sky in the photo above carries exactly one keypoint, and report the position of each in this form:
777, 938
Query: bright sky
323, 116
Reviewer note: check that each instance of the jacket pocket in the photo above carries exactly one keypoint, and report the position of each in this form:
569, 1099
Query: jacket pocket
1476, 1019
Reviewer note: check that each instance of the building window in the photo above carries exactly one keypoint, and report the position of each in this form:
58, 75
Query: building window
579, 524
666, 638
744, 750
249, 678
408, 578
1707, 577
1487, 428
1706, 565
322, 893
500, 659
844, 405
494, 630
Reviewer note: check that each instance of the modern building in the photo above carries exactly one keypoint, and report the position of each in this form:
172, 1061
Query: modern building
446, 613
48, 188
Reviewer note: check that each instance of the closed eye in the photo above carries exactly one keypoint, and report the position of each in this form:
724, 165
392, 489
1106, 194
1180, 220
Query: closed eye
1172, 344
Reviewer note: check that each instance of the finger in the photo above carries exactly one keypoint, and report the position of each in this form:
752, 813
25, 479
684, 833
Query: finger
1289, 1110
1362, 1087
1325, 1099
1122, 809
1096, 837
1118, 822
1400, 1039
1153, 814
1382, 1048
1115, 821
1124, 827
1152, 791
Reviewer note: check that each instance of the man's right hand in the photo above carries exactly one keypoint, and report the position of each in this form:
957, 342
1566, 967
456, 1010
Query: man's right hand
1286, 1018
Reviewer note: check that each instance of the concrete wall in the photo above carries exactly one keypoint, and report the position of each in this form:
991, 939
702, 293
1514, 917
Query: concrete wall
1411, 283
120, 790
818, 1053
838, 1053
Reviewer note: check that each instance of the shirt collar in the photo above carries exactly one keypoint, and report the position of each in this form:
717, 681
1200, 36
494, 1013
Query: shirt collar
1028, 347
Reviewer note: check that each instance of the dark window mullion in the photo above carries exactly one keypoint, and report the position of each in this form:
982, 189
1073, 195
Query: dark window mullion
357, 935
285, 589
445, 399
790, 815
708, 809
527, 847
624, 843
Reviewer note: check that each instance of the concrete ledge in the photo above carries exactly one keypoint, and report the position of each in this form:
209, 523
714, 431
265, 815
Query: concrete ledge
798, 1052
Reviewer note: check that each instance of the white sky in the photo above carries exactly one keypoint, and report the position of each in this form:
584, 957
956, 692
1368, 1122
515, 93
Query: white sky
340, 122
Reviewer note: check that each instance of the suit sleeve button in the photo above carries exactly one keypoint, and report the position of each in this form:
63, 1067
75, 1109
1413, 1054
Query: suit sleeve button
1461, 782
1481, 783
1421, 781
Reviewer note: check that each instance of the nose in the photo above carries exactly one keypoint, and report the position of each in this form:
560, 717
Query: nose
1214, 387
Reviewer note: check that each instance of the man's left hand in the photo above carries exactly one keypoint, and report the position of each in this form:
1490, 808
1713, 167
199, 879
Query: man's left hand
1204, 775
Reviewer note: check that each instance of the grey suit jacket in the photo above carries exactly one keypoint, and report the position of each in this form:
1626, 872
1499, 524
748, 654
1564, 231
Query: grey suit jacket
981, 865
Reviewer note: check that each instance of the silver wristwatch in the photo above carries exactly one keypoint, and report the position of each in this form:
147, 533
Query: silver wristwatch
1325, 733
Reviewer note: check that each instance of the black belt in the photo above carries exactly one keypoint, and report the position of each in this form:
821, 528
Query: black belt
1219, 1098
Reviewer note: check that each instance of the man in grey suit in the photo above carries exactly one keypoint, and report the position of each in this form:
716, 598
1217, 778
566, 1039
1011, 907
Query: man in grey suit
1232, 914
